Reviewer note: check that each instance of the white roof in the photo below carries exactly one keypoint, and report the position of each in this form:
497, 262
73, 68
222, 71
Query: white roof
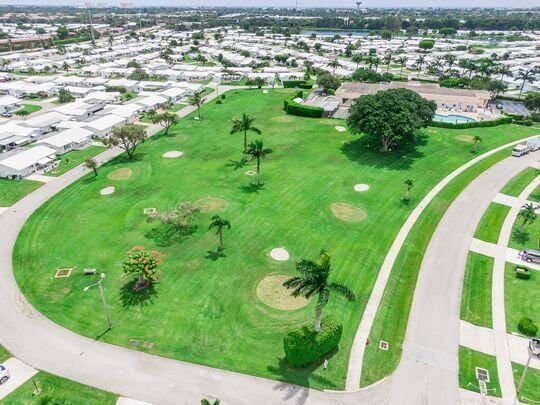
73, 135
152, 101
105, 122
9, 100
126, 110
45, 120
27, 157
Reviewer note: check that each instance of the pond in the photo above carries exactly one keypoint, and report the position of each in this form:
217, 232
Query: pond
453, 118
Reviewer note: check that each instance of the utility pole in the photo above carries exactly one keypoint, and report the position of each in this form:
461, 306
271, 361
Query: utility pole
103, 301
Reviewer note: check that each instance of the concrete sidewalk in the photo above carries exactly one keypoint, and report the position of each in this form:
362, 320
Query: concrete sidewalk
20, 373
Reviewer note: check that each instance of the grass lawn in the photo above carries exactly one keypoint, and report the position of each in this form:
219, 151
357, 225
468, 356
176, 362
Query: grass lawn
4, 354
60, 390
391, 319
12, 191
535, 195
521, 297
520, 181
530, 391
476, 295
176, 107
75, 158
128, 95
201, 292
468, 361
31, 108
491, 223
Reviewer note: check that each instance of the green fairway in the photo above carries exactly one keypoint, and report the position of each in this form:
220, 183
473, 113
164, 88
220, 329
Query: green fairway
57, 390
491, 223
205, 307
31, 108
476, 295
468, 361
391, 319
521, 297
519, 182
530, 391
12, 191
74, 158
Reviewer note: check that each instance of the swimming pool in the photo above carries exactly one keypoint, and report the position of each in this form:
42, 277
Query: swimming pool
453, 118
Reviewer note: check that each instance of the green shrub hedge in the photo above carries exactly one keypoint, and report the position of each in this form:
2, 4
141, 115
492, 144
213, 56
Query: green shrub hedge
527, 327
293, 108
475, 124
303, 346
291, 84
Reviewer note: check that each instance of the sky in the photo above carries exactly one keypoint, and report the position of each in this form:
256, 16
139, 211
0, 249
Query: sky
290, 3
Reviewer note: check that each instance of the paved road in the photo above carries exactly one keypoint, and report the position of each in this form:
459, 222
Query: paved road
429, 364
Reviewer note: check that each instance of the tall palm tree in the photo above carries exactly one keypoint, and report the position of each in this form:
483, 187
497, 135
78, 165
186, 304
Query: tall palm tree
357, 58
258, 151
219, 223
476, 140
197, 100
526, 76
334, 64
65, 66
409, 183
376, 62
450, 60
388, 59
402, 60
504, 70
420, 61
313, 280
527, 215
244, 125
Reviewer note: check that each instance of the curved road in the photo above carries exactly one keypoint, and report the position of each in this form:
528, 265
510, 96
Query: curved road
427, 373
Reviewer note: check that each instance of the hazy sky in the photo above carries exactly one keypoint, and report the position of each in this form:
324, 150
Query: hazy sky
290, 3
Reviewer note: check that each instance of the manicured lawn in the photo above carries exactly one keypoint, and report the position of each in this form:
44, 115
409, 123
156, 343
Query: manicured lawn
176, 107
74, 158
468, 361
128, 95
59, 391
521, 297
530, 391
519, 182
391, 319
12, 191
530, 239
476, 295
491, 223
205, 307
4, 354
31, 108
535, 195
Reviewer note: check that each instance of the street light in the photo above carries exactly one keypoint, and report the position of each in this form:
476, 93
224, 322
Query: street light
534, 350
105, 308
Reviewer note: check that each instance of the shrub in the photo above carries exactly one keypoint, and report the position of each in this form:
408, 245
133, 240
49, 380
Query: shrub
303, 346
527, 327
476, 124
523, 273
293, 108
535, 117
526, 123
218, 102
223, 97
291, 84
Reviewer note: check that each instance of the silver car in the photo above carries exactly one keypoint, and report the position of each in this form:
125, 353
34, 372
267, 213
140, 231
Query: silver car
530, 256
534, 347
4, 374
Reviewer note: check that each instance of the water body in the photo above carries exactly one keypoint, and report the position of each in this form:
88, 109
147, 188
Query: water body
331, 33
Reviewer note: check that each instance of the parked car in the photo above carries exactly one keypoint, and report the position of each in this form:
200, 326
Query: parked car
534, 347
4, 374
530, 256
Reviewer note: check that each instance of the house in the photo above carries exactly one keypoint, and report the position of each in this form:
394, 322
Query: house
151, 86
45, 122
67, 140
174, 93
102, 97
103, 126
152, 102
22, 162
9, 104
127, 111
12, 135
79, 110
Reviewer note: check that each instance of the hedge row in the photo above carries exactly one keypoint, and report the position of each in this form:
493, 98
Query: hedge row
474, 124
292, 84
293, 108
303, 346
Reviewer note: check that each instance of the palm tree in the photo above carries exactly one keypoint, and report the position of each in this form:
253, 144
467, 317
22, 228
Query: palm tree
526, 76
388, 59
257, 151
376, 62
313, 280
476, 140
504, 70
334, 64
197, 100
420, 61
244, 125
91, 164
219, 223
527, 215
410, 184
357, 58
402, 60
65, 66
450, 60
207, 402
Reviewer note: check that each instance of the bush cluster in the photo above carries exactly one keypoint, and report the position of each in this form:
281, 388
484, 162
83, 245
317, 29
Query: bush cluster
527, 326
475, 124
303, 346
293, 108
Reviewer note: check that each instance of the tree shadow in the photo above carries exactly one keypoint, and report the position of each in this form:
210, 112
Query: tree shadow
215, 254
165, 235
252, 188
123, 159
520, 236
90, 180
363, 151
301, 376
237, 164
142, 298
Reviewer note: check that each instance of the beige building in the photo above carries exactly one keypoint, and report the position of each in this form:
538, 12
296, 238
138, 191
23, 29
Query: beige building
458, 100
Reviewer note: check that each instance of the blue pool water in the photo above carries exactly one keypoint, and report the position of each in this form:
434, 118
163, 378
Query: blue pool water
453, 118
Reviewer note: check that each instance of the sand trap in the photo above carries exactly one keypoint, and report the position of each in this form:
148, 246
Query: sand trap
340, 128
348, 212
120, 174
279, 254
212, 204
283, 118
107, 190
272, 293
465, 138
361, 187
172, 154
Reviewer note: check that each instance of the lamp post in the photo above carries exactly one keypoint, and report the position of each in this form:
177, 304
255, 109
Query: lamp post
103, 301
532, 348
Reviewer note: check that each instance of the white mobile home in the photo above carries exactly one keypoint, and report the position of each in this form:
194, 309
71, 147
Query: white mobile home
20, 163
104, 125
68, 140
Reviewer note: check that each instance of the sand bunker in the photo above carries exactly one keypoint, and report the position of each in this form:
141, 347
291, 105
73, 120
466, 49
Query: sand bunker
172, 154
120, 174
361, 187
279, 254
340, 128
283, 118
107, 190
272, 293
465, 138
212, 204
348, 212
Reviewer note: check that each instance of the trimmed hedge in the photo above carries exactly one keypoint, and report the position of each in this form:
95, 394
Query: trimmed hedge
293, 108
291, 84
475, 124
527, 326
303, 346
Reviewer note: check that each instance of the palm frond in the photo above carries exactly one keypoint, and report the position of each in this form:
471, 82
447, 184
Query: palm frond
343, 290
